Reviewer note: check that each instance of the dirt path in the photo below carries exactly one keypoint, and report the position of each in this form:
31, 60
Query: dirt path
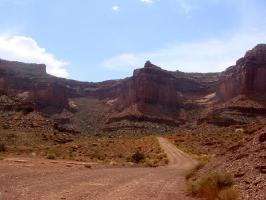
46, 180
177, 158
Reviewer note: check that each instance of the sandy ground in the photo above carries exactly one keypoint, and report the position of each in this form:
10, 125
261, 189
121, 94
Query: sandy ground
28, 179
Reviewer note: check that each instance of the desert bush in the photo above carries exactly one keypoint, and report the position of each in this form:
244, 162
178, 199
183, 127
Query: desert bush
54, 153
51, 156
191, 172
161, 156
137, 157
2, 147
98, 155
150, 163
230, 193
223, 180
2, 157
87, 166
212, 186
165, 161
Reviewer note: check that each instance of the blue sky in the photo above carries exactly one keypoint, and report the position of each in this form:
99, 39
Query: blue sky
106, 39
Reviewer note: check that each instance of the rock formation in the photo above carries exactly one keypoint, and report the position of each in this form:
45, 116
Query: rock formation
151, 95
241, 91
247, 76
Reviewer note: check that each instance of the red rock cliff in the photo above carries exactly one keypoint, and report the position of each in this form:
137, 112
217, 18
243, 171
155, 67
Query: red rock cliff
152, 93
45, 92
247, 77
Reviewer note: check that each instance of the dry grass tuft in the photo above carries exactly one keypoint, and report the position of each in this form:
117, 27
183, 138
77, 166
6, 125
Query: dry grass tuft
191, 173
2, 147
137, 157
51, 156
87, 166
228, 194
212, 186
2, 157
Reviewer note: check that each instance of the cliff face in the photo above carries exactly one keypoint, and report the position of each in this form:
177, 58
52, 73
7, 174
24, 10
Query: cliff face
151, 94
242, 91
154, 86
154, 94
23, 69
30, 84
246, 77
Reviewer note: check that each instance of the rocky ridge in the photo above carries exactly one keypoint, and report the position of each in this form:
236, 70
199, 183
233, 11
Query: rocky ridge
152, 95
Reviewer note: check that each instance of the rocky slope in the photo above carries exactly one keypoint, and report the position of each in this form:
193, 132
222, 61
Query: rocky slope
245, 161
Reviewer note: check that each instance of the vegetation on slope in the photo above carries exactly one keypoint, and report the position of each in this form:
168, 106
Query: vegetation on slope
212, 186
115, 150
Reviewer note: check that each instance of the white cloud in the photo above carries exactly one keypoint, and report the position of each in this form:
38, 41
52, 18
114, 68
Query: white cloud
147, 1
15, 2
26, 49
116, 8
206, 56
186, 7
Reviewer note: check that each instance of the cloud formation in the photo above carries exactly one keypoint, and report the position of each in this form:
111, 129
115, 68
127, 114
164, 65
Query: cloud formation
186, 7
26, 49
147, 1
116, 8
206, 56
15, 2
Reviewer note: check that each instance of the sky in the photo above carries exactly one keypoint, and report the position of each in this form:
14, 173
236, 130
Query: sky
99, 40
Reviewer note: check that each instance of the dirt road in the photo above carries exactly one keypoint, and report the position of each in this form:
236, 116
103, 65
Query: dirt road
47, 180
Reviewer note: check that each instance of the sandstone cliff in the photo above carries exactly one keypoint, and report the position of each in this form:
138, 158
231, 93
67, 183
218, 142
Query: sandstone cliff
247, 76
241, 91
151, 95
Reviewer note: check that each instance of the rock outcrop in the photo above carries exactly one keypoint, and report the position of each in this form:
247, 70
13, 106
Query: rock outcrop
246, 77
241, 93
153, 94
12, 67
30, 84
154, 86
27, 90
